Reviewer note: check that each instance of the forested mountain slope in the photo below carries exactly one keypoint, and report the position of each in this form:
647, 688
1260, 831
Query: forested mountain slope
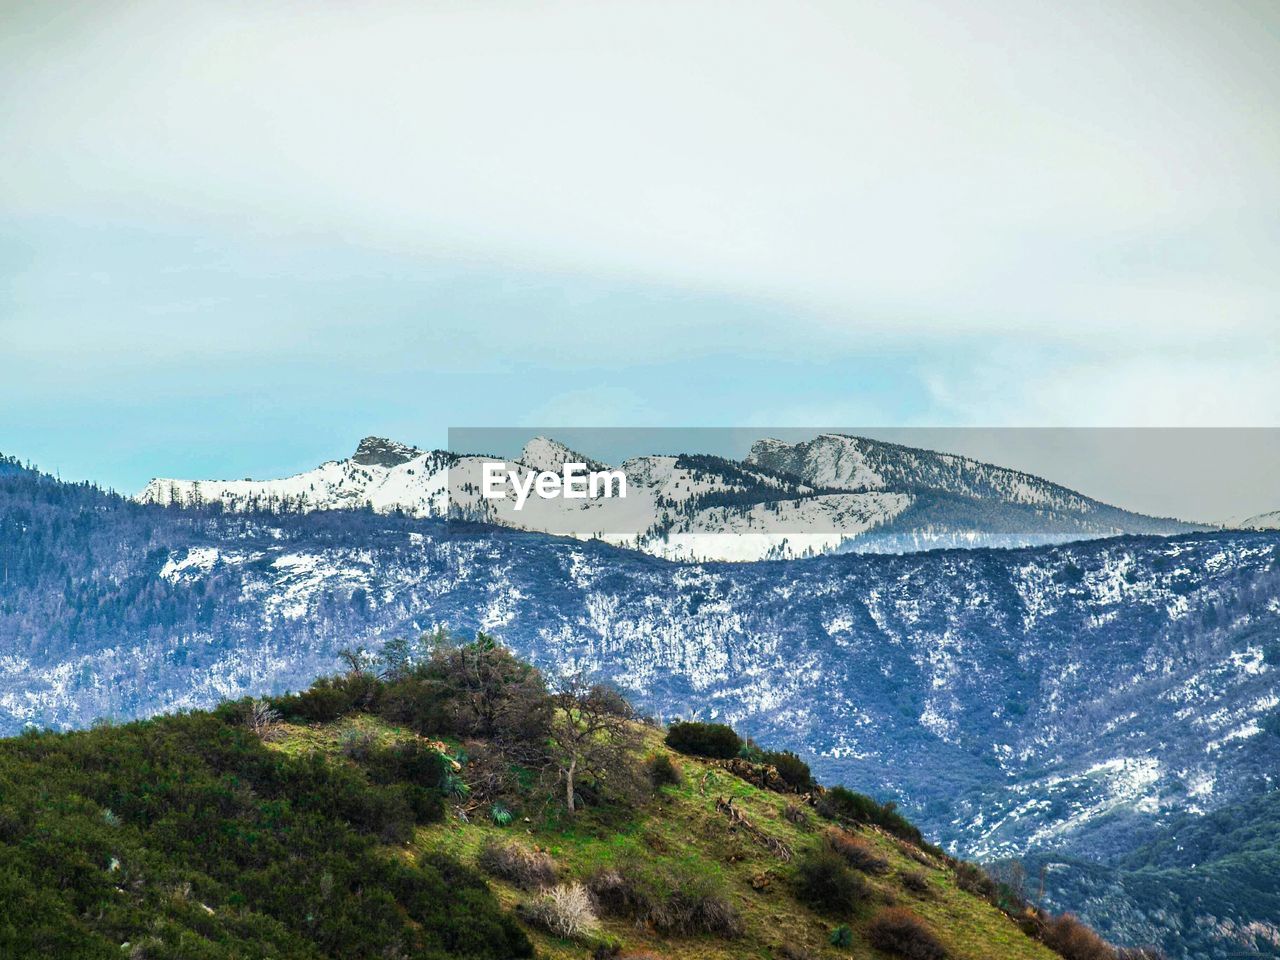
1076, 703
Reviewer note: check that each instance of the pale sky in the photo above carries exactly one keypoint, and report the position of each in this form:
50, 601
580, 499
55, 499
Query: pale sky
236, 236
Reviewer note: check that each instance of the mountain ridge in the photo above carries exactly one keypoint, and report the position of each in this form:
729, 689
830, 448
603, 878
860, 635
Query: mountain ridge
835, 493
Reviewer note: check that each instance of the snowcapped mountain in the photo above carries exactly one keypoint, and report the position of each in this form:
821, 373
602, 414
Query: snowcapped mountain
954, 501
1262, 521
832, 494
1082, 705
381, 474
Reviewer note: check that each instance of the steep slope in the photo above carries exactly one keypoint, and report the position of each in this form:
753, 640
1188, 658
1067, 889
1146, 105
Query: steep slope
954, 501
829, 495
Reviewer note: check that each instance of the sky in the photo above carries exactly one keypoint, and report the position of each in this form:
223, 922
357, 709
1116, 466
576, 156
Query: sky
235, 237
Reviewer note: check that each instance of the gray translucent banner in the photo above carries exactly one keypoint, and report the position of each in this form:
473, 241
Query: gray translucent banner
755, 493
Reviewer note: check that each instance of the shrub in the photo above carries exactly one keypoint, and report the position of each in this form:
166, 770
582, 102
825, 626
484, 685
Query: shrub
406, 761
500, 814
703, 911
527, 869
856, 853
825, 883
390, 812
916, 882
791, 768
417, 703
793, 813
896, 930
704, 740
263, 719
357, 745
564, 911
841, 936
971, 878
327, 699
1069, 936
664, 773
840, 803
481, 689
678, 898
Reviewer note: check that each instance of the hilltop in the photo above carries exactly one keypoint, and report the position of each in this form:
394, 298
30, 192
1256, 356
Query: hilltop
421, 813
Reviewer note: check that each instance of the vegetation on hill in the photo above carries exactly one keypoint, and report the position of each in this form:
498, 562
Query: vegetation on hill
440, 801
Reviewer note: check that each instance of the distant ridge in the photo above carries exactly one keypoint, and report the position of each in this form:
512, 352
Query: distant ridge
835, 493
1261, 521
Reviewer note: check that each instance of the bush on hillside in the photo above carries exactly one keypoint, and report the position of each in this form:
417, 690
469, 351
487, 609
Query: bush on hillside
791, 768
704, 740
565, 911
840, 803
1068, 936
485, 691
662, 772
971, 878
326, 700
899, 931
916, 882
824, 882
263, 719
856, 853
682, 898
517, 864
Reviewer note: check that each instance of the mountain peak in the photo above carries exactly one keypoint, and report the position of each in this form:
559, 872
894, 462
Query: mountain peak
543, 453
381, 452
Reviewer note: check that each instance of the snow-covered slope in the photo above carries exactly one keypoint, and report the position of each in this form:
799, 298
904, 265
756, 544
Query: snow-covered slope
381, 474
1073, 702
687, 508
829, 495
1262, 521
955, 501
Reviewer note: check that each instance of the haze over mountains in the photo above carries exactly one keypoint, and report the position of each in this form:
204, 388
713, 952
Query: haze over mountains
835, 493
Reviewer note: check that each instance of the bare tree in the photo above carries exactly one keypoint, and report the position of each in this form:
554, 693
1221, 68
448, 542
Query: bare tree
263, 719
593, 734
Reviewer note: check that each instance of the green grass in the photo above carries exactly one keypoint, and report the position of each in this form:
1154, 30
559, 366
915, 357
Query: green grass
680, 825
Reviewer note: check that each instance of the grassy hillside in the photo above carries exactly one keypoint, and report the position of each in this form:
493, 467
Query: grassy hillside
421, 812
681, 831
